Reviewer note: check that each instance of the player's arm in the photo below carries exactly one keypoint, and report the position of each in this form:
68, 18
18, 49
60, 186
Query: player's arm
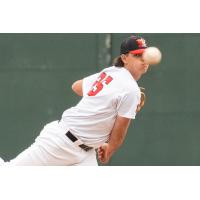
77, 87
116, 139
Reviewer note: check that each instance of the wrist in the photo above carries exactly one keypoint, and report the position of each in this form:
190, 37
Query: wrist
111, 149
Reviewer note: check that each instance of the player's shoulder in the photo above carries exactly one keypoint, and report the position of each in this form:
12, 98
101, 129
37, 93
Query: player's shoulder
130, 85
127, 79
123, 78
119, 72
110, 69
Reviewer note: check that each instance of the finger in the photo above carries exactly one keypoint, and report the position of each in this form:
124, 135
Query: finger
100, 151
100, 148
103, 161
101, 156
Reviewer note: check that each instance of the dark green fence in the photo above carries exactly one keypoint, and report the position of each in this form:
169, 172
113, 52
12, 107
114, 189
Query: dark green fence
37, 70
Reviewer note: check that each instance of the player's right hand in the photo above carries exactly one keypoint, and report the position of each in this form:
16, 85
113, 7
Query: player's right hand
104, 153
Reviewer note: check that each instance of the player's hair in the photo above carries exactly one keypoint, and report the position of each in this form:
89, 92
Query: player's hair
117, 62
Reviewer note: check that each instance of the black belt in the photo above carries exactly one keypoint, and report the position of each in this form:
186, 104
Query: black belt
74, 139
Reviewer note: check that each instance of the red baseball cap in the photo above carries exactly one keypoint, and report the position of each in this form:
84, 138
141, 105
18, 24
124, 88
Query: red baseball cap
134, 45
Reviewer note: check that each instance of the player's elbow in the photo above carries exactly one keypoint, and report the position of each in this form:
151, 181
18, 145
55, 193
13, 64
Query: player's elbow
77, 87
74, 86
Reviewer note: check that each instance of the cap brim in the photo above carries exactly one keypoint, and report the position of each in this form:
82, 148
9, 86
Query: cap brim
137, 51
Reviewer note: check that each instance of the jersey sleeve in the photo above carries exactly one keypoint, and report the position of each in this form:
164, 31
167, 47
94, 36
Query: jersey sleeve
128, 104
88, 82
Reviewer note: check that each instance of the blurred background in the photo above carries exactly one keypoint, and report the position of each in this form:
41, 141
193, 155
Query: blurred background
37, 70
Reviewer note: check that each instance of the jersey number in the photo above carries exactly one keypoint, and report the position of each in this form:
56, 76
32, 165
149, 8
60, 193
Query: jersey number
99, 84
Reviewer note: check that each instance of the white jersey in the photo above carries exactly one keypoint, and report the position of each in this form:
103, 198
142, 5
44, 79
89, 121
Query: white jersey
109, 93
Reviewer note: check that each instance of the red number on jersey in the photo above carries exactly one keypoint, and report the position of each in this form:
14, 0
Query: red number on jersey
99, 84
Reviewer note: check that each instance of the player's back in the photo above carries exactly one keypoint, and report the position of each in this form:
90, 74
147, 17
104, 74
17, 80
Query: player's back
93, 117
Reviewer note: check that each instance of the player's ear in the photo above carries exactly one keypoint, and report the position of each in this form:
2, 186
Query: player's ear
124, 58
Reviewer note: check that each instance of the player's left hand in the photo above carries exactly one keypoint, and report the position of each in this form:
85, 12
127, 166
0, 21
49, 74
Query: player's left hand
142, 99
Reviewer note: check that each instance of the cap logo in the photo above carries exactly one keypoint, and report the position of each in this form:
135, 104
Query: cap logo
141, 43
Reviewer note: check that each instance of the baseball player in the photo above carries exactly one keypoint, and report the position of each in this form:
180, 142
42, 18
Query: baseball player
110, 99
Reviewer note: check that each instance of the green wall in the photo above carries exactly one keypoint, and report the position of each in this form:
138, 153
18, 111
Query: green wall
37, 70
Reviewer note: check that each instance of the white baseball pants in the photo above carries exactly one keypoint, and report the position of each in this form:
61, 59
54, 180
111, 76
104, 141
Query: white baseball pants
53, 148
